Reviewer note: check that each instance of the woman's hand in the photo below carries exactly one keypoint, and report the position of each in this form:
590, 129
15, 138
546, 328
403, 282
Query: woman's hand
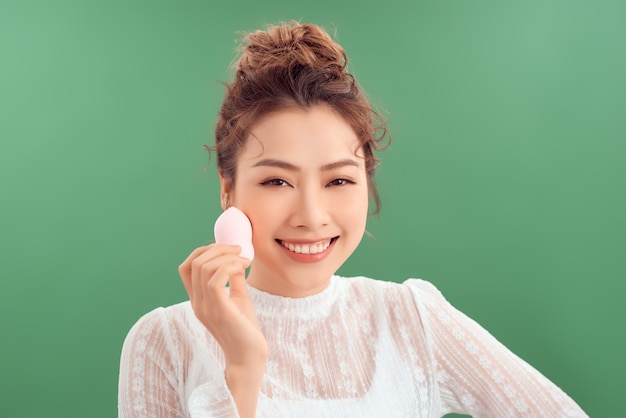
229, 316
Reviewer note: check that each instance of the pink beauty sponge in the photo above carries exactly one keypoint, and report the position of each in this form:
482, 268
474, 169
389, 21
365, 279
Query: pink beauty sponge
233, 227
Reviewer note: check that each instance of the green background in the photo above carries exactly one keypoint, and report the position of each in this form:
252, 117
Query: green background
503, 185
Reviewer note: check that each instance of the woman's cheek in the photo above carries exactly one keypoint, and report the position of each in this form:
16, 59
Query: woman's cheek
352, 200
263, 210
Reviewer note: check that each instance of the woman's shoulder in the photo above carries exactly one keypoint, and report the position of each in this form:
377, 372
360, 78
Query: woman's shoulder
409, 300
395, 307
412, 287
175, 312
161, 321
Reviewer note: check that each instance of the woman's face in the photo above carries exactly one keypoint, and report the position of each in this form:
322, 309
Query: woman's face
301, 180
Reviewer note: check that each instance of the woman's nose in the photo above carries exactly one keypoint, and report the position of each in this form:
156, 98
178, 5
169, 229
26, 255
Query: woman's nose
311, 210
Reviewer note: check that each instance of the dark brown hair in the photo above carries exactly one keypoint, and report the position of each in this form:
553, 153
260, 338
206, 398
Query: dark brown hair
293, 65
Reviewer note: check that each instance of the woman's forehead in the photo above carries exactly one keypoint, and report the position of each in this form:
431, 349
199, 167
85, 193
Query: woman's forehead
315, 132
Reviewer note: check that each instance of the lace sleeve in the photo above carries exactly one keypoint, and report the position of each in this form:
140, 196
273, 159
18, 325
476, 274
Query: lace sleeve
147, 381
477, 375
166, 371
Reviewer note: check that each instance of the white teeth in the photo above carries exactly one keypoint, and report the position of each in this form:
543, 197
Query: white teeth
314, 248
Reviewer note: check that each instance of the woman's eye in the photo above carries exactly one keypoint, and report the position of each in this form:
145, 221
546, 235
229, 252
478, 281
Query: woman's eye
275, 182
340, 182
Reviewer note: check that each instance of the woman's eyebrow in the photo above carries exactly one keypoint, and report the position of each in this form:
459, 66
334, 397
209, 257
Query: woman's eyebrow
270, 162
341, 163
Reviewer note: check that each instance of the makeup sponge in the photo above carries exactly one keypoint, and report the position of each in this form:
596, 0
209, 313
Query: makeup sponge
233, 227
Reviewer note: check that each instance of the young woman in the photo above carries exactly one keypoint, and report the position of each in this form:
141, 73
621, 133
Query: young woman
295, 143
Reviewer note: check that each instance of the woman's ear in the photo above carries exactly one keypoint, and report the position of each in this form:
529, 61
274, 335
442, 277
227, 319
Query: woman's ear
225, 188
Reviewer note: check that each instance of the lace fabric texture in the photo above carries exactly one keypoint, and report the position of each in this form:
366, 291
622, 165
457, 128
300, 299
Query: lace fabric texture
361, 348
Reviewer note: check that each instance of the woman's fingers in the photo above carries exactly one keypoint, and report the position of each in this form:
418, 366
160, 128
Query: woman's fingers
205, 273
228, 314
214, 292
238, 286
211, 298
184, 269
189, 269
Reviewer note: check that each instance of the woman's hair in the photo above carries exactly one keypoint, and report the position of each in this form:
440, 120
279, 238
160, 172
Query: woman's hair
293, 65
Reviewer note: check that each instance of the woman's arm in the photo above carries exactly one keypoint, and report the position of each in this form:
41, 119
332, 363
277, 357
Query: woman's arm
478, 375
147, 380
230, 317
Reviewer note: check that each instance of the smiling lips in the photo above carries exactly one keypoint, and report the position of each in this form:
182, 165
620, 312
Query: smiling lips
307, 247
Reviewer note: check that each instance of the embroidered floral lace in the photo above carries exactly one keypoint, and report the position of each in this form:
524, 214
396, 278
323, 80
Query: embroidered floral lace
361, 348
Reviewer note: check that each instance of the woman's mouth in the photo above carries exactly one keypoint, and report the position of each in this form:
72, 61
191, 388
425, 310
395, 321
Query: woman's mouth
307, 247
307, 251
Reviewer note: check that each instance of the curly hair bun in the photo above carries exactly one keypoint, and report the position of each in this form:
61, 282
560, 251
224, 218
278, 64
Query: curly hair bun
290, 45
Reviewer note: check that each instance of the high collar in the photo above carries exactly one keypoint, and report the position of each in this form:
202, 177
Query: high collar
308, 307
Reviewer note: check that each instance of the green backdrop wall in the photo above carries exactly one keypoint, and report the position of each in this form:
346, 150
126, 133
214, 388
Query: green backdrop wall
504, 183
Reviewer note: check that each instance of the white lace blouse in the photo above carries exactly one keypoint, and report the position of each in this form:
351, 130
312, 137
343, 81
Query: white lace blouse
361, 348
